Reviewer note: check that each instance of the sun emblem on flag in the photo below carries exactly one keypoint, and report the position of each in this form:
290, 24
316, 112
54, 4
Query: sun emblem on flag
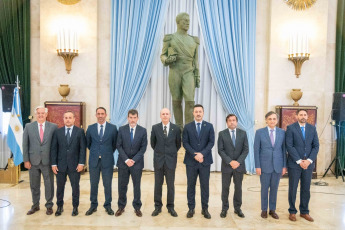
16, 128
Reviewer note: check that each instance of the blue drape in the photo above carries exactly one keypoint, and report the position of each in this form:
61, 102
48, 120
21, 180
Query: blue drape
135, 29
228, 29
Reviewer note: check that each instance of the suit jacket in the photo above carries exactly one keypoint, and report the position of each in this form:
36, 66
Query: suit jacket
297, 146
33, 150
229, 152
128, 150
104, 148
202, 144
267, 157
66, 155
165, 148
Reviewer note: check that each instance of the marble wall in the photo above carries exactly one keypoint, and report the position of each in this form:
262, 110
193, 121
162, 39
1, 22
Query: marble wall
89, 78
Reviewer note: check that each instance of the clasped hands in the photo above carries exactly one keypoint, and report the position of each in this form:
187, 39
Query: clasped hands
258, 171
199, 157
130, 162
79, 168
304, 164
234, 164
170, 59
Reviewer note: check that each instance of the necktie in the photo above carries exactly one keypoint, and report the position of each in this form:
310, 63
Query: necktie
303, 132
41, 132
165, 131
101, 133
198, 128
271, 137
132, 136
233, 138
68, 135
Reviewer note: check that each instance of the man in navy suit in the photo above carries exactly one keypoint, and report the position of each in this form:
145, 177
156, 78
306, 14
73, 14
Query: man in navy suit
198, 140
68, 153
101, 140
302, 144
270, 162
131, 144
233, 149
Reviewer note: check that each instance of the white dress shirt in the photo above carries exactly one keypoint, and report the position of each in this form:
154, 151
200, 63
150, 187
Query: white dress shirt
168, 127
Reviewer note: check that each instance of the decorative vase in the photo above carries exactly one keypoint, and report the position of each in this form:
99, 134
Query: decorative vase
296, 95
64, 91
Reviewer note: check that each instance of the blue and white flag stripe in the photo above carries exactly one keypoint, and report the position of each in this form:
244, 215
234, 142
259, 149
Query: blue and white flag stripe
15, 130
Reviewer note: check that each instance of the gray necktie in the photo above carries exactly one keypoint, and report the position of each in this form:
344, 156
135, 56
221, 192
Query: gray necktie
165, 131
198, 129
68, 135
233, 138
101, 133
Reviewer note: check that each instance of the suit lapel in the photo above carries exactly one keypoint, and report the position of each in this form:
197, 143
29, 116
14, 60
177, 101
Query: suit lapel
171, 129
203, 127
136, 134
37, 134
105, 133
267, 136
161, 131
73, 135
194, 130
227, 135
299, 130
45, 133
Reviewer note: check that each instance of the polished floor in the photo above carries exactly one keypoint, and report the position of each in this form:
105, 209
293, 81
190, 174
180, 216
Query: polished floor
327, 207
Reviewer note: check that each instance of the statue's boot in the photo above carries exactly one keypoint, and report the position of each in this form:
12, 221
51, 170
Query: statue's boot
188, 111
178, 114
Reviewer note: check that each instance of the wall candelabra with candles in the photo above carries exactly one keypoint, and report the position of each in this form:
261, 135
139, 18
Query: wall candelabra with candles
298, 50
67, 46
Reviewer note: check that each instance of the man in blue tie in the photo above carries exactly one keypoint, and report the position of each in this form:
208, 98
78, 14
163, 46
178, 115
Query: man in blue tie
131, 144
101, 140
198, 140
270, 162
302, 144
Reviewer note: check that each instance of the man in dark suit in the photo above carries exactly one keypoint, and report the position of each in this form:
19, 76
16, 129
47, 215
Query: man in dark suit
131, 144
233, 149
165, 141
68, 153
270, 161
302, 144
198, 140
101, 140
37, 139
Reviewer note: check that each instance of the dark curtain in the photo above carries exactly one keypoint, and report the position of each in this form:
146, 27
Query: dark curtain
15, 48
340, 77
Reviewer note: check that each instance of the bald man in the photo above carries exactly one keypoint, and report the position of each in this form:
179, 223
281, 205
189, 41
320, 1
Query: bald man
165, 141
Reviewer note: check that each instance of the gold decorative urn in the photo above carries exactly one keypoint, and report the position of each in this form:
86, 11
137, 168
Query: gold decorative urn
296, 95
64, 91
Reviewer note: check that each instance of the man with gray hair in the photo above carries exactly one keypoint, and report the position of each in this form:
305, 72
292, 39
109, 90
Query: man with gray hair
37, 139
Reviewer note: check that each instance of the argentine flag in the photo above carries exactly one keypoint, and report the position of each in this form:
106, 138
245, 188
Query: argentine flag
15, 130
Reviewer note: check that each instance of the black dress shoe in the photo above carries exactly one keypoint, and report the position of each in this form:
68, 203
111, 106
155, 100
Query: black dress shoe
90, 211
33, 210
223, 213
119, 212
172, 212
49, 211
190, 213
264, 214
206, 214
75, 211
239, 213
109, 211
138, 213
156, 212
59, 211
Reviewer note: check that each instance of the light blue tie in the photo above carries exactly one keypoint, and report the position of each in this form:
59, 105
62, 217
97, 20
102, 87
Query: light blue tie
132, 137
198, 129
101, 133
233, 138
303, 132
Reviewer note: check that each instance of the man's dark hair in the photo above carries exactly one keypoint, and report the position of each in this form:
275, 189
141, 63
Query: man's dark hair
69, 111
299, 110
198, 105
270, 113
133, 112
101, 108
231, 115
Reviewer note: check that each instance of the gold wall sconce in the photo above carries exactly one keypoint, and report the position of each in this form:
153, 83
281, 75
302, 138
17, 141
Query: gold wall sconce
298, 51
67, 46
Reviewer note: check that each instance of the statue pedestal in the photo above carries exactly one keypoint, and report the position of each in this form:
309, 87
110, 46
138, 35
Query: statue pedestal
11, 175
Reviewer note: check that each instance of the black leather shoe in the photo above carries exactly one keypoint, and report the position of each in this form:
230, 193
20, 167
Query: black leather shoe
119, 212
172, 212
190, 213
90, 211
59, 211
138, 213
109, 211
156, 212
206, 214
75, 211
239, 213
33, 210
223, 214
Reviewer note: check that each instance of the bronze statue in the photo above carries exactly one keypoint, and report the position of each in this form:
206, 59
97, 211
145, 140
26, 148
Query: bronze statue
180, 53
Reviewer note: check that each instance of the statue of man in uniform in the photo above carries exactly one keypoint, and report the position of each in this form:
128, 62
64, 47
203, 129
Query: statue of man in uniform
180, 53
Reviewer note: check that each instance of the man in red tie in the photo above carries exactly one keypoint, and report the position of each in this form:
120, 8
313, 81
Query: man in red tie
36, 153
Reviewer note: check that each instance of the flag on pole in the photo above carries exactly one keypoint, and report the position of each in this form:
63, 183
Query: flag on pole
15, 129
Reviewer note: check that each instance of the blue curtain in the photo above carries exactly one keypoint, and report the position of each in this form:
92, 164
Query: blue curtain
135, 30
228, 29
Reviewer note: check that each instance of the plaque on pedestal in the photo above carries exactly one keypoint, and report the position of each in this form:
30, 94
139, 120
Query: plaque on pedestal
287, 116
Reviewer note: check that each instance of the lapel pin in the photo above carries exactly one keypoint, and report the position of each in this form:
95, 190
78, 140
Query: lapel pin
204, 125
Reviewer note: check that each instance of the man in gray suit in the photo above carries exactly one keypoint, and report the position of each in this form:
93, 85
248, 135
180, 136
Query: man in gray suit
270, 161
165, 141
233, 149
37, 138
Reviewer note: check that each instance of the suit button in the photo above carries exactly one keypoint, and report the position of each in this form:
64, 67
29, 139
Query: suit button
198, 144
